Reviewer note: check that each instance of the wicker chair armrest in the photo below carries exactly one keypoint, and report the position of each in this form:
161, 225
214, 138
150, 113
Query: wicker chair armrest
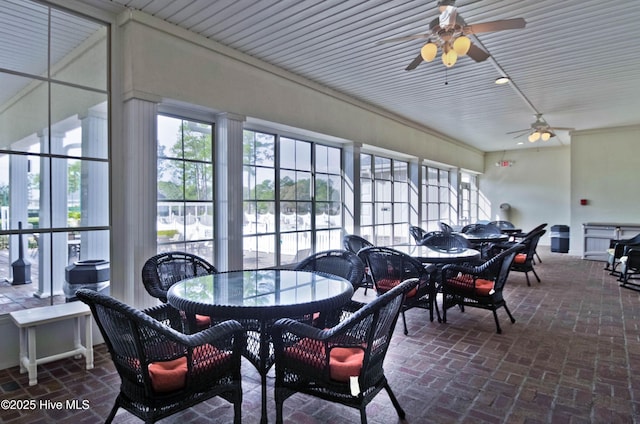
167, 315
296, 328
213, 335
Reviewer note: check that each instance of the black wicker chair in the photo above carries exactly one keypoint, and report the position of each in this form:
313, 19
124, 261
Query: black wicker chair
445, 241
342, 364
521, 236
162, 271
354, 244
630, 268
478, 286
417, 233
616, 251
388, 268
524, 262
445, 228
342, 263
162, 370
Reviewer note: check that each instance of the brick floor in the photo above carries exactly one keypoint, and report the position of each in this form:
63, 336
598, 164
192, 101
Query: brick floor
571, 357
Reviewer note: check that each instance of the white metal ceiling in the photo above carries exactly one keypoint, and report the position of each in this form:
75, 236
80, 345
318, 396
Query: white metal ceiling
577, 61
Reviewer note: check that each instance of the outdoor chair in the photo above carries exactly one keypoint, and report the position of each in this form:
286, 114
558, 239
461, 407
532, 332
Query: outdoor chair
445, 242
520, 236
417, 233
162, 271
354, 244
478, 286
524, 261
342, 364
388, 268
630, 268
162, 370
342, 263
445, 228
616, 251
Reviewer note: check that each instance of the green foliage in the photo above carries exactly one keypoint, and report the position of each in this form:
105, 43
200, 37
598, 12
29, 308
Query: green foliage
167, 233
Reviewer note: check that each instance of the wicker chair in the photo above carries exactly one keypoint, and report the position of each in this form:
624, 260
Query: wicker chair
445, 242
354, 244
616, 251
521, 236
417, 233
524, 262
445, 228
388, 268
162, 370
342, 364
342, 263
162, 271
630, 268
478, 286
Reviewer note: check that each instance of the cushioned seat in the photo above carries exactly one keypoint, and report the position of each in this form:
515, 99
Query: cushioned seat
344, 363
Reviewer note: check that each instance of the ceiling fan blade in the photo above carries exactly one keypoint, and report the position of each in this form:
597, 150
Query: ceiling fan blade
515, 23
405, 38
414, 63
477, 54
519, 131
561, 129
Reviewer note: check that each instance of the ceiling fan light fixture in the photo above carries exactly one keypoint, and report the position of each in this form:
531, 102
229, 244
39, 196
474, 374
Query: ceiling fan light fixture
429, 52
461, 45
546, 135
534, 136
449, 58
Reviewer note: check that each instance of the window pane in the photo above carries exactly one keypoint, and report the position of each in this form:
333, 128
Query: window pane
303, 185
198, 177
91, 107
383, 191
382, 168
287, 153
384, 213
196, 141
321, 159
22, 125
170, 179
169, 137
15, 42
303, 156
334, 162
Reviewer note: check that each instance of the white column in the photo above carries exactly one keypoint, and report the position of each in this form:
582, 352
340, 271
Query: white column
414, 192
19, 192
351, 166
52, 247
134, 196
94, 192
228, 192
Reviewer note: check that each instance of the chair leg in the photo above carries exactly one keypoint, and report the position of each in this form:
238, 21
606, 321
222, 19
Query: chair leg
394, 401
526, 274
279, 403
537, 256
495, 318
237, 411
404, 321
363, 414
112, 414
534, 273
513, 320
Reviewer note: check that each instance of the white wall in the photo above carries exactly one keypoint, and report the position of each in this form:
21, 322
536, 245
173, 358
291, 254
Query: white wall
537, 186
604, 170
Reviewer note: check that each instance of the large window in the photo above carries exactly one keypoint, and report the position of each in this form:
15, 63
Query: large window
292, 199
439, 202
385, 191
54, 154
185, 186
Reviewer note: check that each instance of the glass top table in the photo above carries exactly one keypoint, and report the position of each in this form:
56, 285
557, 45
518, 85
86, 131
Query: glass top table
428, 255
257, 298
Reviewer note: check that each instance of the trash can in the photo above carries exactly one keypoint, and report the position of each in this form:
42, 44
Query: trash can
560, 238
92, 274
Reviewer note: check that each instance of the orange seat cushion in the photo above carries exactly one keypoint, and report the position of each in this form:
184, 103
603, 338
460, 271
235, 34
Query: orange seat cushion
520, 258
203, 321
465, 282
386, 284
167, 376
344, 362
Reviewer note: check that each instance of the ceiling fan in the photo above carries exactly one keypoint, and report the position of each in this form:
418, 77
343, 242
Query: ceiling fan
449, 33
539, 130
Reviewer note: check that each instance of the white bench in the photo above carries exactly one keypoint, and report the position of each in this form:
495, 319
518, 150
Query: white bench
28, 320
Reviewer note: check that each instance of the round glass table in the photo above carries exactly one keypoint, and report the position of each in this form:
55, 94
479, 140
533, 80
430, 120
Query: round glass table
256, 299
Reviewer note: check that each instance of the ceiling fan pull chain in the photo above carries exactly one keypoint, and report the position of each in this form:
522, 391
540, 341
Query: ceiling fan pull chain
446, 76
